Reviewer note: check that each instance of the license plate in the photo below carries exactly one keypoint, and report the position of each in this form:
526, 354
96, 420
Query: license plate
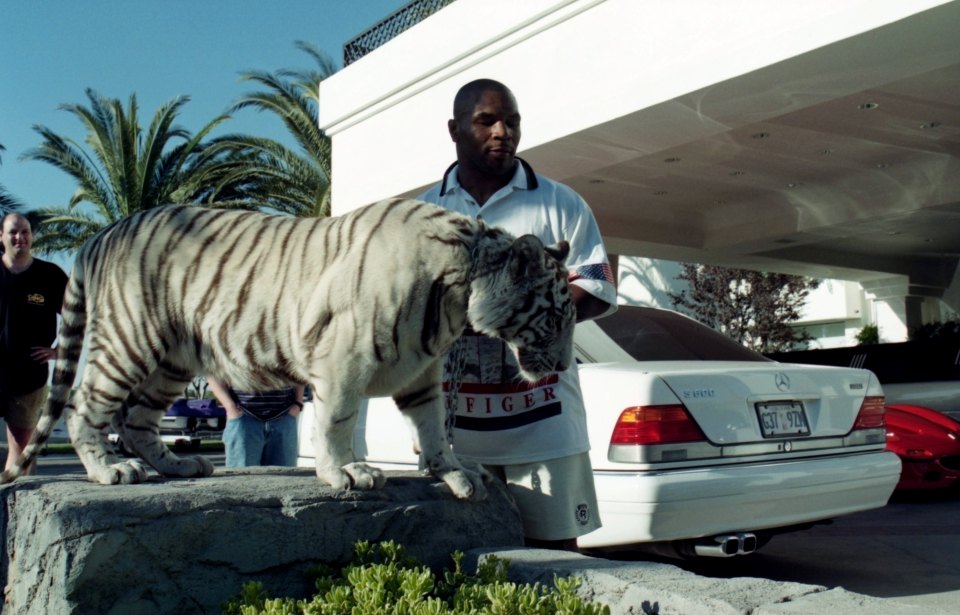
782, 419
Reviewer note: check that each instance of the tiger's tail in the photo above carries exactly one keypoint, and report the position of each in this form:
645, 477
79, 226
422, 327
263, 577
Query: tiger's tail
73, 325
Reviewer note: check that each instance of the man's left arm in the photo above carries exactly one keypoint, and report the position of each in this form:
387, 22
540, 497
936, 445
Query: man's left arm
591, 277
58, 288
588, 306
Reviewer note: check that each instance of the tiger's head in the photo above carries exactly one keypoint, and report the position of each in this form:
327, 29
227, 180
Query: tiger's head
526, 301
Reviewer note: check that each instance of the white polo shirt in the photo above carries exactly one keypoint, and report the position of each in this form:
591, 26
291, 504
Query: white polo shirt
502, 419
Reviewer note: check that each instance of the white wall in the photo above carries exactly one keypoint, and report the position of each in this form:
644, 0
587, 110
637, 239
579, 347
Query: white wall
572, 64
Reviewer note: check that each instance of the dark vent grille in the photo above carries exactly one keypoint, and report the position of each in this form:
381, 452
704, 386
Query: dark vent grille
402, 19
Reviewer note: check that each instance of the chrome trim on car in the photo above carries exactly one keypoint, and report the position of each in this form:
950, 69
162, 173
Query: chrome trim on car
782, 448
866, 436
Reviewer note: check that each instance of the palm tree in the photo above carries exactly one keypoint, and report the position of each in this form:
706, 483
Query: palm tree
126, 170
8, 202
266, 172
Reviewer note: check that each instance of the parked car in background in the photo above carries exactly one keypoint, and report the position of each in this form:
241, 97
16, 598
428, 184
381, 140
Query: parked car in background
921, 381
186, 424
920, 372
700, 447
928, 443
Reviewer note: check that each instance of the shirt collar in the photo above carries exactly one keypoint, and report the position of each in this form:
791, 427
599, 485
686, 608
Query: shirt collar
523, 179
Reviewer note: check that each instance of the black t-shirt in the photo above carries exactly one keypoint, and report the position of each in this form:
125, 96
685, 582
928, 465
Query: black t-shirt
29, 304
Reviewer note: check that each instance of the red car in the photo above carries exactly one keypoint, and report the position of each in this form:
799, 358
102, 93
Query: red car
928, 444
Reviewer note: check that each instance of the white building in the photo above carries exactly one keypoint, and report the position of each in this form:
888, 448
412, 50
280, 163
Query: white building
834, 314
811, 137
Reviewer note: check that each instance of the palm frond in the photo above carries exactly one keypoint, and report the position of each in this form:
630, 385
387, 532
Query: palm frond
8, 202
62, 230
122, 169
285, 180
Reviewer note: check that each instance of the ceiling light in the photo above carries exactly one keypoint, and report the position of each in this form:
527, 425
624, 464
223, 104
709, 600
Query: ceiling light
930, 125
672, 159
882, 165
867, 106
826, 151
760, 135
596, 181
794, 184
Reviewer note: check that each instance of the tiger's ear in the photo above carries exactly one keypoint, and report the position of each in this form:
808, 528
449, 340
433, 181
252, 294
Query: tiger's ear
526, 259
559, 251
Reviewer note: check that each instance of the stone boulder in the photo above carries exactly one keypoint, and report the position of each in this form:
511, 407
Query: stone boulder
188, 545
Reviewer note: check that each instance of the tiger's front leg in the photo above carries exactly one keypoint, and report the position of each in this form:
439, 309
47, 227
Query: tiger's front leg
141, 435
87, 429
422, 405
336, 411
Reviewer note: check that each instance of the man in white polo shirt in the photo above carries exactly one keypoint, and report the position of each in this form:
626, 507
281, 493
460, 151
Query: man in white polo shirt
533, 436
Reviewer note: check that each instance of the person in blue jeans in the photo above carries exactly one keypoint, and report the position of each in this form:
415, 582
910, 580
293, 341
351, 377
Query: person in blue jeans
261, 426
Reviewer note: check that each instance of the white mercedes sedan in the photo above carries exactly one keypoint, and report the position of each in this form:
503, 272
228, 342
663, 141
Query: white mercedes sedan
700, 447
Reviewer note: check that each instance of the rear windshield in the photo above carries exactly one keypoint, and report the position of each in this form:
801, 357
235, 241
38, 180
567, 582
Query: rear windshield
651, 334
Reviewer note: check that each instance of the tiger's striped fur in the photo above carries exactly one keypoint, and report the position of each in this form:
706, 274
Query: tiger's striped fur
366, 304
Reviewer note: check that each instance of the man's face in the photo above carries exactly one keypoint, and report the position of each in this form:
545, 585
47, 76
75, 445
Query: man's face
17, 236
487, 137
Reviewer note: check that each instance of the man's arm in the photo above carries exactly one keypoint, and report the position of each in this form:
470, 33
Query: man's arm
588, 306
298, 399
222, 393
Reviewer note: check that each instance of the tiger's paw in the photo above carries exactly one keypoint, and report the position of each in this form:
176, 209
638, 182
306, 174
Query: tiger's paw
196, 466
464, 480
364, 477
467, 484
128, 472
353, 476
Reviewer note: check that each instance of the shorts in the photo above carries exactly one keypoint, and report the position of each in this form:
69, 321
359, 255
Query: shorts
23, 411
556, 497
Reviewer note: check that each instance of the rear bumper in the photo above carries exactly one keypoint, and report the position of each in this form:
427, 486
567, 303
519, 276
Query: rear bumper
637, 507
927, 475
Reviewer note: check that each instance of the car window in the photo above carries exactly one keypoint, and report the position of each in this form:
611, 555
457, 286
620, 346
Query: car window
650, 334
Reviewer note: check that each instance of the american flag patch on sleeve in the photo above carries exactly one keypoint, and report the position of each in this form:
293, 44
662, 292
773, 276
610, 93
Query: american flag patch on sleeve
592, 272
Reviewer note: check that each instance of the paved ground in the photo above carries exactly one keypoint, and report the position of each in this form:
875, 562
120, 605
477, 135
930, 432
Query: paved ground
908, 551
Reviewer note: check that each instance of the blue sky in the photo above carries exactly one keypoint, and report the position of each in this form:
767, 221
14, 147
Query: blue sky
51, 51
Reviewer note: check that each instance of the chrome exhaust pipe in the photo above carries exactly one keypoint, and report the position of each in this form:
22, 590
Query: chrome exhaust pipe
728, 545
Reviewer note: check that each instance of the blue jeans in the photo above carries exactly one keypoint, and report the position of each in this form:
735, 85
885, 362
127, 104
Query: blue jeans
249, 441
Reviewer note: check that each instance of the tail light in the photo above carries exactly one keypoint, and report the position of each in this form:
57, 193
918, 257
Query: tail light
871, 413
656, 425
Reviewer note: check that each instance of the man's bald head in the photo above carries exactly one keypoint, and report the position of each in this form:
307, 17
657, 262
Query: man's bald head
468, 95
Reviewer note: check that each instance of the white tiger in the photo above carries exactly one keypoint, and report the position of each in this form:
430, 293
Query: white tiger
366, 304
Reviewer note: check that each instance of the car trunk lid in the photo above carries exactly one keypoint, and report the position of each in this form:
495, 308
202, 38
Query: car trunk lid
738, 402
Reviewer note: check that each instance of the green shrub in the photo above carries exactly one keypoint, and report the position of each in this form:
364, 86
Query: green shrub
383, 580
869, 334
